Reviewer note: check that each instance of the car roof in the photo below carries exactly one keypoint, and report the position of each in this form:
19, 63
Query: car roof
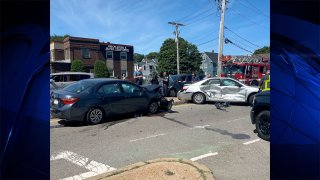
63, 73
102, 80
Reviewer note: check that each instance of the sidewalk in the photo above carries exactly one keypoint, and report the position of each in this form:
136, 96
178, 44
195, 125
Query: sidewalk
164, 168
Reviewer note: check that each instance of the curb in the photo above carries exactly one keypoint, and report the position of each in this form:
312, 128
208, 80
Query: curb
205, 172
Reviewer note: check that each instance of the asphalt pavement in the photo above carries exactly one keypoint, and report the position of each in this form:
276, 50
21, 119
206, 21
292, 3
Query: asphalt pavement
222, 140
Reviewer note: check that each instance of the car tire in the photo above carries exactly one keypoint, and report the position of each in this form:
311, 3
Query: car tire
263, 125
251, 99
153, 107
173, 93
198, 98
95, 115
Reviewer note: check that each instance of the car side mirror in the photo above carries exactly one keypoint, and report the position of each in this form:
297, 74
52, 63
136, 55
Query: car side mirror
239, 85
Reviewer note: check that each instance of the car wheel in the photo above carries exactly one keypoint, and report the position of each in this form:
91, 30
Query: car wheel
254, 83
153, 107
172, 93
250, 99
95, 116
263, 125
198, 98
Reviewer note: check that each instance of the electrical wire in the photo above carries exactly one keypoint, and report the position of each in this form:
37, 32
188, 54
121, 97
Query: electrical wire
255, 8
244, 49
242, 43
199, 11
247, 18
207, 41
241, 37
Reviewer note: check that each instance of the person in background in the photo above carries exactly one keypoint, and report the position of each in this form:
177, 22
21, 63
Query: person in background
154, 79
165, 83
208, 76
124, 77
195, 78
138, 76
263, 79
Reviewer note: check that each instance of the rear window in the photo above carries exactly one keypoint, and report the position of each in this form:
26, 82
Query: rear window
173, 78
78, 87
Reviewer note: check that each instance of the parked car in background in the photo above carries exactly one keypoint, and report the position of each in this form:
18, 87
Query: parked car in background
65, 78
176, 82
218, 90
94, 100
260, 114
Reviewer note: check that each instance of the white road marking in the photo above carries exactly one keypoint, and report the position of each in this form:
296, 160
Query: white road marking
147, 137
204, 156
200, 127
94, 167
237, 119
250, 142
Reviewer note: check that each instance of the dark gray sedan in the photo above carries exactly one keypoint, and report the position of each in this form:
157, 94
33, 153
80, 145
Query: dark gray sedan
93, 100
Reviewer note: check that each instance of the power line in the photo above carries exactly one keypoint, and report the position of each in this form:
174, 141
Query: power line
207, 41
256, 8
241, 37
192, 14
247, 18
235, 39
197, 21
228, 41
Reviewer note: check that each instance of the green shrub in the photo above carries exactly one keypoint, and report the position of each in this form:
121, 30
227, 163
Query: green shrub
77, 66
100, 69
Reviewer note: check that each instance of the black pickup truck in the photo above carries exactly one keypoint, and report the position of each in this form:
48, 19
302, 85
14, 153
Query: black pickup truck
260, 114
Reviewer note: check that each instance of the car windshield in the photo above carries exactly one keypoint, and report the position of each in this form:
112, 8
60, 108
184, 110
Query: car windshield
233, 69
78, 87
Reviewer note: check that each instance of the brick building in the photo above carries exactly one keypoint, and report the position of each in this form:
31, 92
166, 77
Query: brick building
118, 57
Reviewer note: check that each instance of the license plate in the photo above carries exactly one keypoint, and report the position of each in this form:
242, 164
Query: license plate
55, 101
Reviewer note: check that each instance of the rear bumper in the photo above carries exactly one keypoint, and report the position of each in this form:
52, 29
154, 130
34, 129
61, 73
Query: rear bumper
68, 113
184, 96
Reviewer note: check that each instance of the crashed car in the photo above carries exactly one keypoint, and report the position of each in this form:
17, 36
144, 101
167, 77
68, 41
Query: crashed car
95, 100
218, 90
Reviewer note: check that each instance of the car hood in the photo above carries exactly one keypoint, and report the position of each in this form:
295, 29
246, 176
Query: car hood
152, 87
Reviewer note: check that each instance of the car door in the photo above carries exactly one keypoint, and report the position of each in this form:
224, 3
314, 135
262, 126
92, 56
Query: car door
136, 99
113, 99
212, 89
233, 91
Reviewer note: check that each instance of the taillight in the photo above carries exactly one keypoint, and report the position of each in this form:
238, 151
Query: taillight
185, 88
69, 100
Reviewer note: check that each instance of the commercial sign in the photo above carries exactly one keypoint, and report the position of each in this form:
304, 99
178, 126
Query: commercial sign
116, 48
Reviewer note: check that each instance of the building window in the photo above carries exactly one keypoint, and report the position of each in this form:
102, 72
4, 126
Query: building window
144, 67
85, 53
150, 67
67, 54
123, 55
109, 55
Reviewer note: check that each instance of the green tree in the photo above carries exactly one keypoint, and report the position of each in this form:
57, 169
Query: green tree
100, 69
265, 49
138, 57
77, 66
58, 37
153, 55
190, 57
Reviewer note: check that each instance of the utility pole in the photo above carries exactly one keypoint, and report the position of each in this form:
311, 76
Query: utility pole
177, 42
220, 54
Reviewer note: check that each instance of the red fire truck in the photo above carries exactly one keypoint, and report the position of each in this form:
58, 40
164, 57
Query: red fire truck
247, 69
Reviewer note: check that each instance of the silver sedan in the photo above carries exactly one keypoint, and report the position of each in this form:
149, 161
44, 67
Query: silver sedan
218, 90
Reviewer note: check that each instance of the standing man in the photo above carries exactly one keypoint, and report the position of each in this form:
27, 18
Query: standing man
165, 83
265, 81
138, 76
195, 78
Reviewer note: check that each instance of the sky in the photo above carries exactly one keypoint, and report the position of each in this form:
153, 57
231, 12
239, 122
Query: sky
144, 23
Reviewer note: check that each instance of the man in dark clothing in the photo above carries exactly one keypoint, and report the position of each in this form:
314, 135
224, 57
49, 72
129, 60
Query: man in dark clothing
154, 79
138, 76
165, 83
194, 78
